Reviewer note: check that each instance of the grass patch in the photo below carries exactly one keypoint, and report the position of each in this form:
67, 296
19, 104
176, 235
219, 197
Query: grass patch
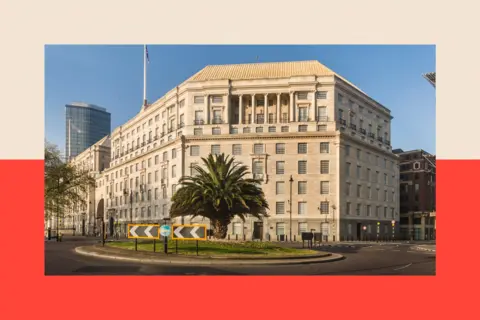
216, 248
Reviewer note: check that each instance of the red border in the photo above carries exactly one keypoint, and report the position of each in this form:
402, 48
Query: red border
28, 293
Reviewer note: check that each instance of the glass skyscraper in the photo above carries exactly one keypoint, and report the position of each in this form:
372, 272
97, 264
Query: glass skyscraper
85, 124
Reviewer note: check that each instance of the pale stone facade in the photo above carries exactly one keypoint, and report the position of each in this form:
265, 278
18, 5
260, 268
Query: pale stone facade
293, 120
94, 160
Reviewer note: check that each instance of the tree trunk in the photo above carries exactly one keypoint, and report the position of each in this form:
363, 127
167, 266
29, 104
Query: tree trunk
220, 228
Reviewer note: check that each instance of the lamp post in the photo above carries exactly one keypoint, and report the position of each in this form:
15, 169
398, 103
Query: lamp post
291, 184
333, 222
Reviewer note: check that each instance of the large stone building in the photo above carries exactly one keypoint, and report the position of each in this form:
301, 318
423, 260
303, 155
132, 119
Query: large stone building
94, 160
417, 194
319, 144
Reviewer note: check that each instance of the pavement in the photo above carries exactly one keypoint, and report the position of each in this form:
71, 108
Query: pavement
431, 248
61, 258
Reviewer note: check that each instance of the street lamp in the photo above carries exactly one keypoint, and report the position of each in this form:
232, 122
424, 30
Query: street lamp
291, 183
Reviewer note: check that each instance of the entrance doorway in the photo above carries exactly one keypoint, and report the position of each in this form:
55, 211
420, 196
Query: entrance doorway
359, 231
258, 230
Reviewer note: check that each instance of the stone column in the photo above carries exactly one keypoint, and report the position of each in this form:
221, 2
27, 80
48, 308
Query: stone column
278, 107
253, 108
265, 108
240, 109
292, 94
206, 110
227, 110
312, 113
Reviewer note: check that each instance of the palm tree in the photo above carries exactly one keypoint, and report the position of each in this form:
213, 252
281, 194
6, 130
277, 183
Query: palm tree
219, 192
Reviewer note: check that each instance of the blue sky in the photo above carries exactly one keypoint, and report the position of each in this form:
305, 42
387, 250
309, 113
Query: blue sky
112, 77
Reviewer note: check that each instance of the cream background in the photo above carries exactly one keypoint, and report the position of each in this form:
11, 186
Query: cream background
28, 25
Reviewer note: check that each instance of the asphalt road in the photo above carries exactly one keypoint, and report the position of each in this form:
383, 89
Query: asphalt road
365, 259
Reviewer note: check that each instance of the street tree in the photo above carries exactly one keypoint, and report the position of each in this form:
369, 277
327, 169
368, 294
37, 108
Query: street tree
65, 185
219, 191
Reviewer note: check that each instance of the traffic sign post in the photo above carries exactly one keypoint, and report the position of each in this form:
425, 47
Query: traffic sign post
143, 231
189, 232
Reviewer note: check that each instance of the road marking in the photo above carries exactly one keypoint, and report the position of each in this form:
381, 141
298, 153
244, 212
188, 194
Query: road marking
408, 265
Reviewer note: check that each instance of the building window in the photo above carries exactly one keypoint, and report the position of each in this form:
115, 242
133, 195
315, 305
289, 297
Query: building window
340, 98
156, 194
194, 150
165, 156
156, 159
216, 131
359, 190
174, 171
385, 179
302, 167
359, 209
280, 208
280, 229
237, 149
216, 149
302, 187
359, 172
234, 130
280, 187
324, 206
302, 208
237, 228
259, 129
149, 179
280, 148
246, 130
369, 211
385, 212
156, 176
258, 148
302, 95
284, 129
302, 227
359, 154
197, 131
347, 169
174, 189
369, 193
349, 208
324, 147
174, 153
280, 167
368, 174
302, 148
324, 187
385, 195
272, 129
303, 128
322, 127
348, 188
324, 166
217, 99
198, 99
322, 95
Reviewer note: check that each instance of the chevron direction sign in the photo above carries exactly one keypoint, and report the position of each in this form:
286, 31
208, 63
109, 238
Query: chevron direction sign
189, 232
143, 231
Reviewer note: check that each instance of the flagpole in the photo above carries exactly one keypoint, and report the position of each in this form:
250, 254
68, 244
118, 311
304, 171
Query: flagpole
144, 75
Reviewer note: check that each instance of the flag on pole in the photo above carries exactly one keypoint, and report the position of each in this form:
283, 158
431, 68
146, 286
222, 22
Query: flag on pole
146, 52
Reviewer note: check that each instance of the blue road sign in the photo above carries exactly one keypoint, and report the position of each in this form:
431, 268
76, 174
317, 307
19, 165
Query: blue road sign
165, 230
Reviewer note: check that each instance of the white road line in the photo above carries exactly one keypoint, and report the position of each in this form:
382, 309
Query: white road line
408, 265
